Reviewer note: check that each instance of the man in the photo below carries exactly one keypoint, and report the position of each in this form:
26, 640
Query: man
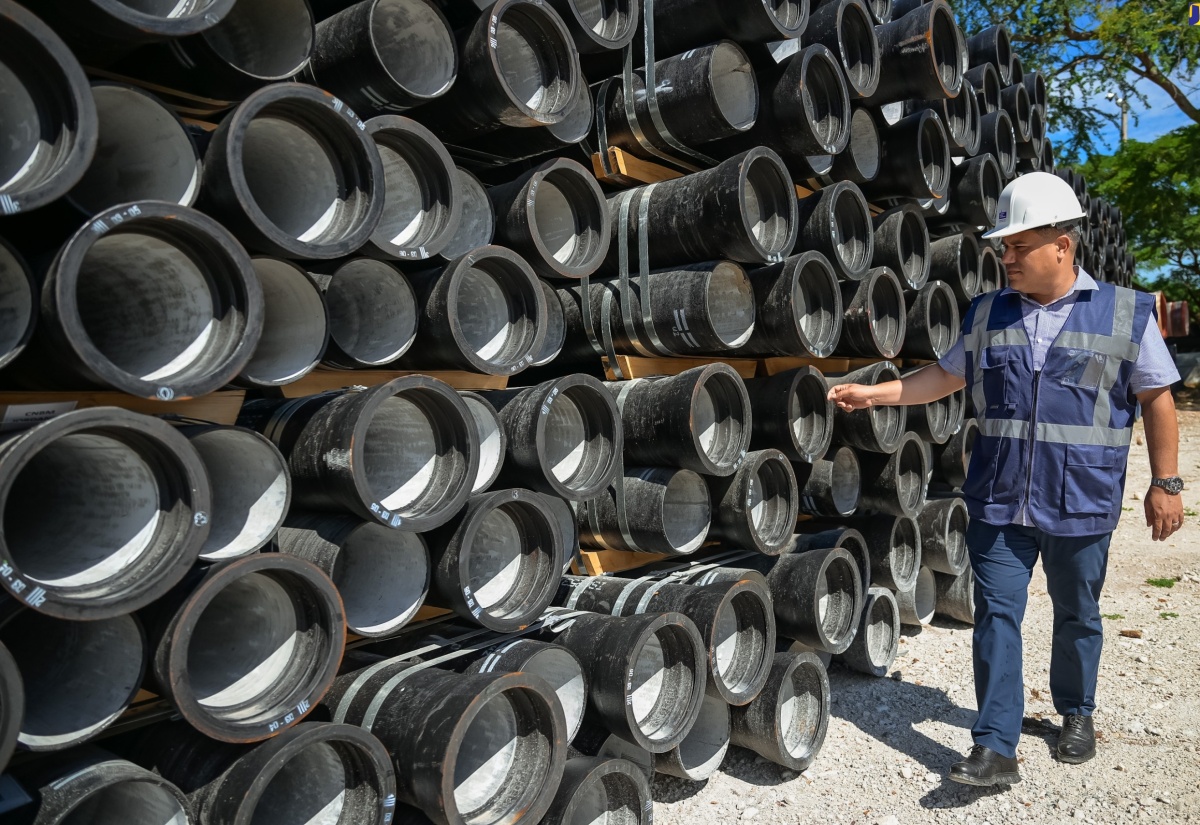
1056, 365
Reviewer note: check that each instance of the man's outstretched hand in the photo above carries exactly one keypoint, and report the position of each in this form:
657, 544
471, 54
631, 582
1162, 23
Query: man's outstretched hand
850, 397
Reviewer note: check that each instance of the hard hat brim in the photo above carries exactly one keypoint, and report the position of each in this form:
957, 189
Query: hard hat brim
1012, 229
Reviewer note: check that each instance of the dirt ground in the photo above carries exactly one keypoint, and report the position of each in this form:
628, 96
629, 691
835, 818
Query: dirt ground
891, 740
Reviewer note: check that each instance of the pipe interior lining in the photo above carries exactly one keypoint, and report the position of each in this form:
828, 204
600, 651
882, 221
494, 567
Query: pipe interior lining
566, 438
78, 676
768, 199
935, 157
904, 555
295, 326
937, 416
404, 452
739, 641
703, 749
663, 680
686, 511
846, 481
533, 61
613, 800
128, 802
887, 422
556, 328
247, 641
729, 300
860, 57
810, 422
856, 546
266, 39
250, 483
578, 118
568, 218
865, 147
495, 310
372, 311
788, 13
1006, 145
800, 711
837, 598
991, 184
26, 140
562, 671
579, 437
946, 54
1023, 112
955, 541
491, 444
16, 300
88, 508
770, 502
882, 621
989, 269
943, 312
887, 319
823, 105
957, 110
510, 555
815, 303
415, 45
143, 152
718, 419
924, 595
610, 19
477, 223
852, 225
734, 90
914, 247
312, 787
381, 575
417, 192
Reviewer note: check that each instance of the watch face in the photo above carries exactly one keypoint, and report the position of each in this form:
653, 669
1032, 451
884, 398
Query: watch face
1175, 485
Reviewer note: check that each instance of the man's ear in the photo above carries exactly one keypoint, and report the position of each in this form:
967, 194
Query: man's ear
1063, 244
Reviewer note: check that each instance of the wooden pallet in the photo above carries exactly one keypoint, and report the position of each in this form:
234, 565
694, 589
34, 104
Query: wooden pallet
19, 409
321, 380
635, 367
602, 562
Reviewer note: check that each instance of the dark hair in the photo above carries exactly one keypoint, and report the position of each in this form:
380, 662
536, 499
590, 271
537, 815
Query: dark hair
1072, 229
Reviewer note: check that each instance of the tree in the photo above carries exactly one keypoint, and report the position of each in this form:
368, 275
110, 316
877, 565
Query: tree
1087, 48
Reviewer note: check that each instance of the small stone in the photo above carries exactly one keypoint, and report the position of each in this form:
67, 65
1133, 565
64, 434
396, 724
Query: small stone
1154, 731
750, 813
1136, 728
890, 819
906, 772
931, 777
788, 776
1146, 801
1143, 660
1078, 813
1136, 496
897, 676
1165, 799
1120, 767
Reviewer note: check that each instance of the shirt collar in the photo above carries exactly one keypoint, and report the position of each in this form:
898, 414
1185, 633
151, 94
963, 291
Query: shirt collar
1083, 283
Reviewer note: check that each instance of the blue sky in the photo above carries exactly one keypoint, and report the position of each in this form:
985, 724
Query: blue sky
1160, 117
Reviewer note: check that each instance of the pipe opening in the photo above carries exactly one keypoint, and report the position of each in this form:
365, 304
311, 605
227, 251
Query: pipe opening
719, 418
768, 204
1023, 112
415, 46
266, 39
664, 676
614, 800
734, 90
1006, 145
534, 61
860, 51
854, 544
788, 13
78, 676
811, 425
880, 628
491, 441
864, 147
904, 555
477, 221
503, 759
24, 145
940, 322
702, 751
372, 311
989, 269
991, 184
729, 301
1004, 55
128, 802
17, 301
914, 247
568, 218
578, 118
947, 55
739, 643
886, 310
562, 671
1037, 129
417, 202
1037, 95
800, 710
556, 328
413, 451
955, 539
910, 475
686, 511
887, 422
957, 111
250, 484
816, 303
845, 481
154, 310
143, 152
509, 559
495, 308
770, 503
579, 433
381, 575
969, 253
924, 595
935, 165
852, 223
311, 787
824, 105
837, 599
295, 326
938, 417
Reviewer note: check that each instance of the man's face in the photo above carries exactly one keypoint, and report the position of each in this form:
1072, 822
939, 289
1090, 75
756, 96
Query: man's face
1033, 257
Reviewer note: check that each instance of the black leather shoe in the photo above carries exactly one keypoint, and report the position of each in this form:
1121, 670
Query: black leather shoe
986, 767
1077, 742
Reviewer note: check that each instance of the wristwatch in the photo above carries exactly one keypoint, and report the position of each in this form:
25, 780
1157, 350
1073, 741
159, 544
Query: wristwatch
1173, 485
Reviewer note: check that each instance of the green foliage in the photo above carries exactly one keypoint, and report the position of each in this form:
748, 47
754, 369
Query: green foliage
1167, 583
1168, 615
1087, 48
1112, 616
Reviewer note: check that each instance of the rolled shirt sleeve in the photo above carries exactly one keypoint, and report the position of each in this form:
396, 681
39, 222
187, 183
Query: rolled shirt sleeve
1154, 367
955, 361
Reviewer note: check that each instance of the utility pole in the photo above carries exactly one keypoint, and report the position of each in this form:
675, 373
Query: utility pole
1124, 104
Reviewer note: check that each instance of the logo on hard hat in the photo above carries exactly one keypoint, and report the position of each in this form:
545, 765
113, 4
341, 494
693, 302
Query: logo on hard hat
1194, 15
1003, 216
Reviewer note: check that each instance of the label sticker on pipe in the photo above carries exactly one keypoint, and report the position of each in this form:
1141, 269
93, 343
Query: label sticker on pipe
19, 416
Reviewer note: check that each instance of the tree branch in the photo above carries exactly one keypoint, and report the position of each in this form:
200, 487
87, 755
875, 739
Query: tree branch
1150, 71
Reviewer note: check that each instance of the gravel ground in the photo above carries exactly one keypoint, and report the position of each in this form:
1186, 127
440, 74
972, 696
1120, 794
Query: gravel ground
892, 740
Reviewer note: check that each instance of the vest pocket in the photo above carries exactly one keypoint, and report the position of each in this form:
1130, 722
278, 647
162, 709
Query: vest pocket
999, 380
1089, 480
1083, 368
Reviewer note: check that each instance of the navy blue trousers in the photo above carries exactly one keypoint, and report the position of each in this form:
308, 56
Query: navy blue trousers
1003, 559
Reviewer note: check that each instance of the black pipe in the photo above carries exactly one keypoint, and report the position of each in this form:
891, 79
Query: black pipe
798, 308
518, 66
153, 299
385, 56
877, 428
956, 596
792, 413
696, 309
1016, 72
950, 460
143, 152
932, 323
105, 511
999, 140
845, 27
381, 575
986, 82
292, 175
18, 303
646, 673
915, 159
860, 161
563, 436
902, 244
295, 327
788, 721
895, 548
372, 313
703, 95
733, 615
598, 28
493, 440
744, 209
47, 103
556, 217
954, 260
991, 271
484, 312
101, 32
698, 420
421, 198
657, 510
511, 143
1035, 86
992, 45
604, 789
830, 486
756, 507
256, 43
896, 483
877, 642
937, 421
874, 322
960, 117
820, 535
1032, 149
477, 221
916, 605
683, 24
837, 223
78, 677
702, 751
12, 705
974, 195
251, 489
1014, 99
498, 561
921, 54
402, 453
943, 524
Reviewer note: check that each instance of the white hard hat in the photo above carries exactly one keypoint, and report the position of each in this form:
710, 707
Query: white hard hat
1032, 200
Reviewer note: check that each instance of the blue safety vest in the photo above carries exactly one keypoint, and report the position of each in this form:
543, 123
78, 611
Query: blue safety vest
1059, 437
